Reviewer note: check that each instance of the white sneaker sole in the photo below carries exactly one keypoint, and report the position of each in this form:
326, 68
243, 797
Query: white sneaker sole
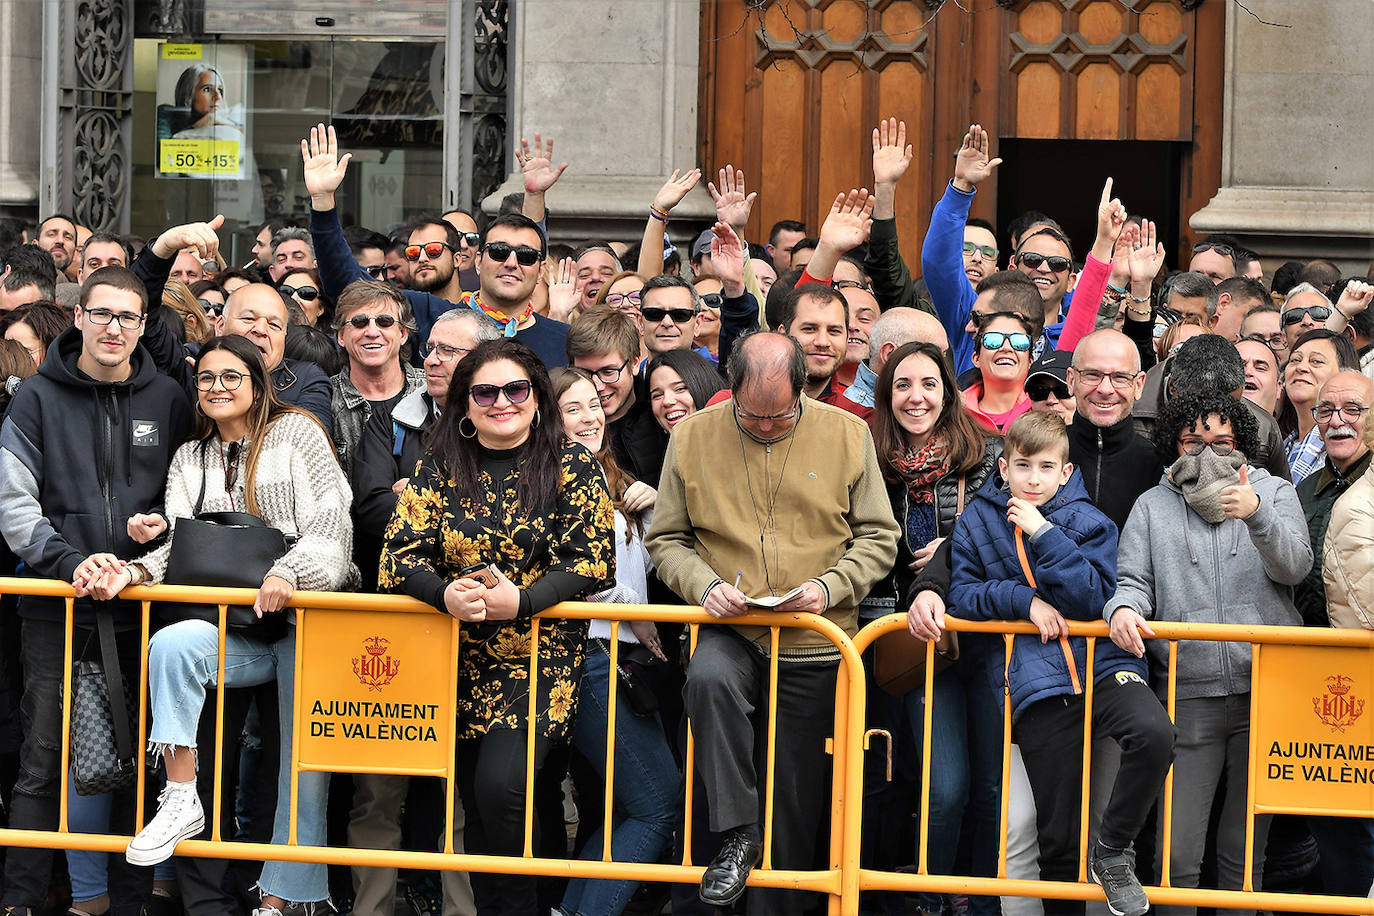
1092, 875
160, 854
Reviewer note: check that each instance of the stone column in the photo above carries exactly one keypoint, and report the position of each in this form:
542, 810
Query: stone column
615, 83
1297, 168
21, 28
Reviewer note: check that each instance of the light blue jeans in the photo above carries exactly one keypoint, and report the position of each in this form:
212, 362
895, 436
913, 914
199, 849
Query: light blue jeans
182, 662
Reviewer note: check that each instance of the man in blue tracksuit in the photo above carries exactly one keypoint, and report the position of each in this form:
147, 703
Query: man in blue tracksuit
1031, 546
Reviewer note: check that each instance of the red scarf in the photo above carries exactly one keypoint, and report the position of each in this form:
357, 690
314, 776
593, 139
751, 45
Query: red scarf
920, 469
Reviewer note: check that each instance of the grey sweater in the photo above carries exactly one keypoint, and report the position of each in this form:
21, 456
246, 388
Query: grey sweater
1174, 566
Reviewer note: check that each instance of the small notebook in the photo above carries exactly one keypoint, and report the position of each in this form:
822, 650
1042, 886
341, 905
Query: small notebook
772, 601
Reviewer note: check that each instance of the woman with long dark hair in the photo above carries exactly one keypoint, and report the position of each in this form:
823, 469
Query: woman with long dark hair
502, 497
250, 453
935, 455
681, 382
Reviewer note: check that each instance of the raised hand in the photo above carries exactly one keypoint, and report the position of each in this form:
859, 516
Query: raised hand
972, 163
849, 222
1147, 254
1240, 500
199, 237
323, 169
1126, 242
537, 165
1357, 296
1111, 217
676, 188
563, 291
891, 153
727, 258
733, 205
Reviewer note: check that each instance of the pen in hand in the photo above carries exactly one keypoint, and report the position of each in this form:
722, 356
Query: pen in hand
738, 576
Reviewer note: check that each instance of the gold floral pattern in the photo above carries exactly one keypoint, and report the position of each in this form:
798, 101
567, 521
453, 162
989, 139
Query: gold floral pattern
434, 532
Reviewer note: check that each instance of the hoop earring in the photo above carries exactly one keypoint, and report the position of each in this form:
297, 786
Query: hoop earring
464, 433
534, 424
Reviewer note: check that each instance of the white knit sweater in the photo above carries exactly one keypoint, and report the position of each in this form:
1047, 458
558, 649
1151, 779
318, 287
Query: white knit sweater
300, 489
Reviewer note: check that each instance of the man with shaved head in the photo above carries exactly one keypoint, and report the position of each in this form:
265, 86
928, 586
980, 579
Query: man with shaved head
808, 520
1117, 463
894, 328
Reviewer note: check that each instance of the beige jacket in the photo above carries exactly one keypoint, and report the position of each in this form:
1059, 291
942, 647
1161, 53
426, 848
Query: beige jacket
1348, 557
809, 506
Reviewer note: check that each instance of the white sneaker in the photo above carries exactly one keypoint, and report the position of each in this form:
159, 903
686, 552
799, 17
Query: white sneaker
267, 911
179, 816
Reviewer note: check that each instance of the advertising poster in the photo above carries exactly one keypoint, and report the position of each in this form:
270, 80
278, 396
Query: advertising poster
202, 100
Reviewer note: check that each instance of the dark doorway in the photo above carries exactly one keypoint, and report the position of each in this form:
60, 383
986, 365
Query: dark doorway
1064, 178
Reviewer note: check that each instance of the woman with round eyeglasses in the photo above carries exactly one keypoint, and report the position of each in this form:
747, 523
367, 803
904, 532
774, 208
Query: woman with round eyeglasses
303, 284
503, 498
681, 382
250, 454
1001, 354
1316, 356
621, 293
1219, 540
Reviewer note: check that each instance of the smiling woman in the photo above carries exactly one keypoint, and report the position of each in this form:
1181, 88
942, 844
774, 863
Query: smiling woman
1002, 356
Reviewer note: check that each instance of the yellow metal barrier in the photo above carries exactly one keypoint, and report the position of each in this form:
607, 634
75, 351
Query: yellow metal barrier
1358, 649
839, 880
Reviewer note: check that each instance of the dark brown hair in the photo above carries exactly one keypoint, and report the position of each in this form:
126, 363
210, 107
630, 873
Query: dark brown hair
967, 440
618, 479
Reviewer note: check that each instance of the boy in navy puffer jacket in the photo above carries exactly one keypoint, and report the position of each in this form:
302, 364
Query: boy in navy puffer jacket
1031, 546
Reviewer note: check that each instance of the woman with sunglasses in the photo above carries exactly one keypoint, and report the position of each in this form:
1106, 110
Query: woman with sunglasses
707, 337
303, 284
1219, 540
1001, 354
250, 453
502, 497
1317, 355
646, 777
935, 455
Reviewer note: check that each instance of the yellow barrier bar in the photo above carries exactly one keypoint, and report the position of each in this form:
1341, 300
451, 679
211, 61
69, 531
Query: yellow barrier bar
532, 726
220, 698
607, 822
141, 785
839, 783
1084, 808
1005, 794
450, 782
297, 704
927, 720
772, 748
62, 798
1168, 813
689, 760
1247, 882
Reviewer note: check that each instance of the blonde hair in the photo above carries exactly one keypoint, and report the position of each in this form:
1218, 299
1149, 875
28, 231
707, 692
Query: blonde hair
178, 297
1035, 432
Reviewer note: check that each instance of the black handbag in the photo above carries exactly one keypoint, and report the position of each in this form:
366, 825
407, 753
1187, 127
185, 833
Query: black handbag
635, 669
224, 550
103, 756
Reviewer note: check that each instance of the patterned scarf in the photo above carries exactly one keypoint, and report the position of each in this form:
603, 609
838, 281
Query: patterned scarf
920, 469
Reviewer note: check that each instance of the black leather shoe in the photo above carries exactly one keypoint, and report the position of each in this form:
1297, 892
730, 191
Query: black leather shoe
725, 877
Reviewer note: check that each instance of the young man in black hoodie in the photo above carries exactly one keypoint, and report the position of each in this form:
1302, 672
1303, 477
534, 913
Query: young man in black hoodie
86, 445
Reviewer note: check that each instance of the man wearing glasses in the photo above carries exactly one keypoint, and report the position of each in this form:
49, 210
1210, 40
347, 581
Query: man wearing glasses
85, 446
806, 511
509, 257
433, 253
1305, 309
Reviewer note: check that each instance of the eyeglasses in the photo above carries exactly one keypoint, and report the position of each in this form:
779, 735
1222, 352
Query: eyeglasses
382, 321
525, 256
1121, 381
1041, 391
308, 293
1225, 251
713, 300
616, 300
743, 414
470, 239
993, 340
1350, 413
211, 308
835, 285
229, 380
231, 465
432, 250
987, 251
609, 374
679, 316
442, 352
1053, 263
1195, 446
377, 273
1318, 313
485, 395
127, 320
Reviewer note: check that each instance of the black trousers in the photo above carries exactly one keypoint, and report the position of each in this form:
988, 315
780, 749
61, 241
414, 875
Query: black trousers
727, 700
36, 792
1050, 734
491, 780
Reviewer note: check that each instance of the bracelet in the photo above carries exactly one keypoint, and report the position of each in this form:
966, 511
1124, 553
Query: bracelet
1116, 289
1337, 309
1134, 298
658, 214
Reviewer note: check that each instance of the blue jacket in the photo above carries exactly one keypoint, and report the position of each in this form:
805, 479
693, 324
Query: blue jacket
1073, 560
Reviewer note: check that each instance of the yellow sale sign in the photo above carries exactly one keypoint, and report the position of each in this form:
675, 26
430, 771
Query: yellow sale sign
1314, 730
376, 691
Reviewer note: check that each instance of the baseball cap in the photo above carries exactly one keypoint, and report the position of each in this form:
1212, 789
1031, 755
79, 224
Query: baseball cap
1054, 364
703, 244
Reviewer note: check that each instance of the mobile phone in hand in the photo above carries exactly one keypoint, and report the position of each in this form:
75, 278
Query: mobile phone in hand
482, 572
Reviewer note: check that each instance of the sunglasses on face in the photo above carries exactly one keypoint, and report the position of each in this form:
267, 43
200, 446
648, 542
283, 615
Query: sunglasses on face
432, 250
306, 293
376, 273
1319, 314
470, 239
525, 256
679, 316
1053, 263
485, 395
993, 340
987, 251
712, 300
382, 321
211, 308
1041, 391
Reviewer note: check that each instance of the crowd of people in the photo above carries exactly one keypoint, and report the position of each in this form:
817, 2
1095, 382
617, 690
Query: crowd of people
464, 413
